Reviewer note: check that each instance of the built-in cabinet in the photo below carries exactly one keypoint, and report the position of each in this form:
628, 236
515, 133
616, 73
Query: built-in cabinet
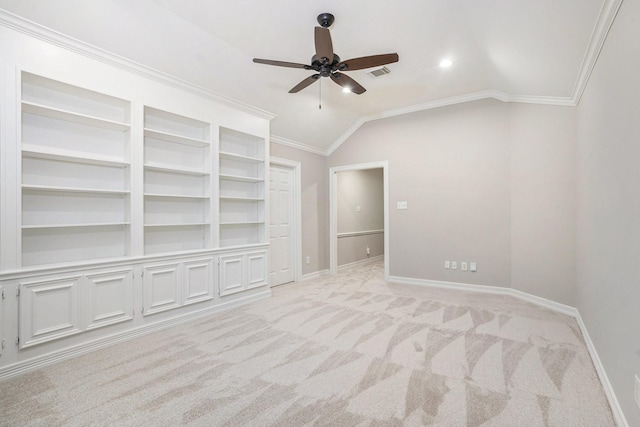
76, 168
242, 188
134, 206
177, 183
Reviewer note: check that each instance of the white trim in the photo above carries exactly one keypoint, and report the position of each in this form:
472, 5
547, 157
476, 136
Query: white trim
605, 20
56, 38
360, 262
333, 210
315, 275
359, 233
297, 145
297, 211
38, 362
542, 302
487, 94
621, 421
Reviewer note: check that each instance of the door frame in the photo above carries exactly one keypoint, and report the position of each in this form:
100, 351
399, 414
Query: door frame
296, 167
333, 210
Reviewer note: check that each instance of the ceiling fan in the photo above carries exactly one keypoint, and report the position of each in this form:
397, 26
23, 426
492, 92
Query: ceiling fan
327, 64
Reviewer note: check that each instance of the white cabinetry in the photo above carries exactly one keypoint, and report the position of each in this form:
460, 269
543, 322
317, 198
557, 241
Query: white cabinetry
242, 188
171, 285
58, 306
240, 272
75, 153
121, 190
177, 182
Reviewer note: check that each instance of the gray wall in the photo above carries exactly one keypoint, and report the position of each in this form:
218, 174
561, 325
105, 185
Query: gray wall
608, 197
543, 201
485, 181
315, 206
363, 188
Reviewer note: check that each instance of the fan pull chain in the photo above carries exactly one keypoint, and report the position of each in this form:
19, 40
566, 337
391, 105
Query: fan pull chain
320, 93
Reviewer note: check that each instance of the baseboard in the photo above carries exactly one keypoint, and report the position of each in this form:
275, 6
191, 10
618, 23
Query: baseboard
38, 362
314, 275
618, 415
620, 419
360, 262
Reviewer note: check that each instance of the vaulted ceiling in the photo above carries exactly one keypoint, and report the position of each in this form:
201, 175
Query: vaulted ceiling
516, 50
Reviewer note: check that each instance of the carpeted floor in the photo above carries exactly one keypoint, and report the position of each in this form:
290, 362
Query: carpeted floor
349, 350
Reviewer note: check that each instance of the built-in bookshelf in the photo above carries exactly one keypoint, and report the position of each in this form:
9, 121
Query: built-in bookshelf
177, 183
75, 151
242, 188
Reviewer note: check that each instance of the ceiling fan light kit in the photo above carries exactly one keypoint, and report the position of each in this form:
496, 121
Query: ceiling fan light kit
327, 64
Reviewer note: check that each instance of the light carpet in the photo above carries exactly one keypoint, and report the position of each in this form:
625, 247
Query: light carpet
348, 350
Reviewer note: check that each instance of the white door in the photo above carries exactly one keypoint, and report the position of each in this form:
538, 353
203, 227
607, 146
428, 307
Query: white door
281, 238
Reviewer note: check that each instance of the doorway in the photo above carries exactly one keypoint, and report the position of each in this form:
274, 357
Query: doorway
285, 259
333, 208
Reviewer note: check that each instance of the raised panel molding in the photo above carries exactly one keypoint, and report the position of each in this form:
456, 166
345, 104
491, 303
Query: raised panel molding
231, 274
161, 288
257, 269
49, 310
109, 298
198, 281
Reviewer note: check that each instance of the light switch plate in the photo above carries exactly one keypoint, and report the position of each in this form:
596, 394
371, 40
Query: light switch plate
402, 205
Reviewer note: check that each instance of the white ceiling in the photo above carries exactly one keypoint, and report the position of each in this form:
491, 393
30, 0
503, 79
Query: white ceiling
533, 50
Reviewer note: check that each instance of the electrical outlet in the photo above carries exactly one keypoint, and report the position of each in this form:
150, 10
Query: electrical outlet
308, 260
473, 266
463, 266
447, 264
368, 250
454, 265
637, 390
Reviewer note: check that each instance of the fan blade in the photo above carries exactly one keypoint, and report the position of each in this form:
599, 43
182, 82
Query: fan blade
281, 63
367, 62
306, 82
347, 82
324, 47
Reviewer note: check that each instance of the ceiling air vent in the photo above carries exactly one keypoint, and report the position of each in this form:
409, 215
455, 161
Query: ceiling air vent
378, 72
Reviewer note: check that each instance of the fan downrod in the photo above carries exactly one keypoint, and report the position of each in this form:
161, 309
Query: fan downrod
326, 20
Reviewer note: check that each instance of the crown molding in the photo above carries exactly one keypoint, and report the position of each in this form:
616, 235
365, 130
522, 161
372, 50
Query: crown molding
32, 29
487, 94
605, 20
297, 145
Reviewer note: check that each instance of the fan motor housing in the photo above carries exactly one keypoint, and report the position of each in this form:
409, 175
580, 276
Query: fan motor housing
326, 20
325, 69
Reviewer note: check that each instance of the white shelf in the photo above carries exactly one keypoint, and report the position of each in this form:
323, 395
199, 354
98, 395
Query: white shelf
74, 190
70, 116
239, 157
241, 223
176, 224
173, 169
240, 178
242, 199
42, 152
178, 139
46, 226
175, 196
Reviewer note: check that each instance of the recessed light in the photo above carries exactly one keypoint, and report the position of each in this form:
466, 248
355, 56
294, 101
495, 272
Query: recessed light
446, 63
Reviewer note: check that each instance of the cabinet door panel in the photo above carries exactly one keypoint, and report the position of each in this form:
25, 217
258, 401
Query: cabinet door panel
49, 310
257, 269
109, 298
198, 281
231, 274
161, 288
